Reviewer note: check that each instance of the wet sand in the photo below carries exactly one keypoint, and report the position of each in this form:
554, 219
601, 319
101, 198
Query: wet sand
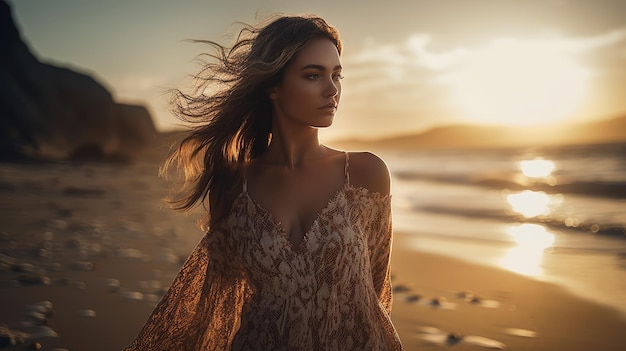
96, 241
510, 310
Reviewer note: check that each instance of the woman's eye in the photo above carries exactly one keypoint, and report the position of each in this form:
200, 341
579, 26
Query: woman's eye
316, 76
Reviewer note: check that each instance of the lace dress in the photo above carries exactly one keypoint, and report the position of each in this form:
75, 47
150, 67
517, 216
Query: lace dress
247, 287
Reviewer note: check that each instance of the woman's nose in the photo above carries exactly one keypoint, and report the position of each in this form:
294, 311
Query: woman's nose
332, 89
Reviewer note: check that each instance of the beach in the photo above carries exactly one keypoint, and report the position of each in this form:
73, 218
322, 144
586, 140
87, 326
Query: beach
87, 250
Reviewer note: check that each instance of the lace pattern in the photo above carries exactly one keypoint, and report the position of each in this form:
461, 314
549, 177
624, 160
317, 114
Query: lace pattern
245, 287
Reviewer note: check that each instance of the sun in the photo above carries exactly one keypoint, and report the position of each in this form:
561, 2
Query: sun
513, 82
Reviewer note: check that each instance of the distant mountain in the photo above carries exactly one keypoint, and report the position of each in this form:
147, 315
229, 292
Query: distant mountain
473, 136
53, 112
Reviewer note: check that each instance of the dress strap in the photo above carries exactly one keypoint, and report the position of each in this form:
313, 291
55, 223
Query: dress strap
244, 180
346, 170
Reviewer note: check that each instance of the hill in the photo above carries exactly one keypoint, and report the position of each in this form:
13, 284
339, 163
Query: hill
53, 112
473, 136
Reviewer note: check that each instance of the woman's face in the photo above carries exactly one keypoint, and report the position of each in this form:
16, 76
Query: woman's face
310, 90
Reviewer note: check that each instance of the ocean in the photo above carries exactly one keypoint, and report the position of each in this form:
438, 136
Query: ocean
556, 214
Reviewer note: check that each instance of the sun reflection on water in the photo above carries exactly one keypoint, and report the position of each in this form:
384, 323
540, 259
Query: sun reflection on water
537, 168
532, 241
529, 203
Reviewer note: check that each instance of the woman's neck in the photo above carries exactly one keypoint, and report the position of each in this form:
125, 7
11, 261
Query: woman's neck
293, 148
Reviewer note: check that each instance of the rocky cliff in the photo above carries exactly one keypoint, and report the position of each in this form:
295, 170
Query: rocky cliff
50, 112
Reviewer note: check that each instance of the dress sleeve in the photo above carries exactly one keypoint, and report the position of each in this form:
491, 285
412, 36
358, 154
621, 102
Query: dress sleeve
202, 308
379, 243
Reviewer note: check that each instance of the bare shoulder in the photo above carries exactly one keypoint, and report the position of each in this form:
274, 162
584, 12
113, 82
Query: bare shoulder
370, 172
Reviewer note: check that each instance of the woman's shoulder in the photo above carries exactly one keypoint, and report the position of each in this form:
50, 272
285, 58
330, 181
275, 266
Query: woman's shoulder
369, 171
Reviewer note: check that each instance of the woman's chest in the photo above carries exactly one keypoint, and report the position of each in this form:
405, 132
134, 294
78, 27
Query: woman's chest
333, 241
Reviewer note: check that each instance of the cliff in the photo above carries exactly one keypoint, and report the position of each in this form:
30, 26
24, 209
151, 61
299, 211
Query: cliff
51, 112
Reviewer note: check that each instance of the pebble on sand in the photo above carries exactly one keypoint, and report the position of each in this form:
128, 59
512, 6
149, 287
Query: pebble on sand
10, 337
112, 284
132, 295
87, 313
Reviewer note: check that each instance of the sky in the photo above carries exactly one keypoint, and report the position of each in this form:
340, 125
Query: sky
409, 65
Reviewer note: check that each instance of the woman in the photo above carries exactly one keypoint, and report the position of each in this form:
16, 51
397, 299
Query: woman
297, 252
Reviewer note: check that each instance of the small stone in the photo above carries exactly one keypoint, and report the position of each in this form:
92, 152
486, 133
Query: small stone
10, 337
413, 298
22, 267
476, 300
87, 313
130, 253
42, 331
438, 301
43, 307
43, 253
33, 279
132, 295
37, 317
112, 284
454, 338
400, 288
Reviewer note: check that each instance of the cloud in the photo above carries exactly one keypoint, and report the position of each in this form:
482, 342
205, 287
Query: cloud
591, 43
413, 63
412, 52
396, 72
416, 76
422, 57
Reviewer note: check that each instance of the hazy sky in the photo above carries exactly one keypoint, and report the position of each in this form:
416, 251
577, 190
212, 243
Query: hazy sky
409, 64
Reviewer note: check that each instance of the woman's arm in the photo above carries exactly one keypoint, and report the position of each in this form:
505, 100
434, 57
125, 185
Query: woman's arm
370, 172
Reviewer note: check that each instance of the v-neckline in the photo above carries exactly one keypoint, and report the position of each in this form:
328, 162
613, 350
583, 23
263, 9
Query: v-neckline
279, 226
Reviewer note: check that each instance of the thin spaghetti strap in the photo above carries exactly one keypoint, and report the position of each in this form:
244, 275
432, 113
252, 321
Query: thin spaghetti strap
245, 181
346, 170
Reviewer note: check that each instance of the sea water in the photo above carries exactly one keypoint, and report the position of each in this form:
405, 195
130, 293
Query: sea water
556, 214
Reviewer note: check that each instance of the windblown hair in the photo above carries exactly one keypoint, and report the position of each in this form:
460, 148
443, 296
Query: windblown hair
229, 111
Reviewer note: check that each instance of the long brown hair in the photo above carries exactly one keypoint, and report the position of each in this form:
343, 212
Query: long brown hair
229, 110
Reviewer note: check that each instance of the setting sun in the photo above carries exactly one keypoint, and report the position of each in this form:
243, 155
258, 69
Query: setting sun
514, 82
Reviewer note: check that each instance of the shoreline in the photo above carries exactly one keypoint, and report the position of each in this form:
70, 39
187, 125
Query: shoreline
578, 272
524, 313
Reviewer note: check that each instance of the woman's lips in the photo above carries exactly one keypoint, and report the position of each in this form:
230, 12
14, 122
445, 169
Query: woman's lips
329, 107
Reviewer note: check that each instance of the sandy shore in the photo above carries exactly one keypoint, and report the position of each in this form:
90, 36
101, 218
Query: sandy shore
96, 242
508, 309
